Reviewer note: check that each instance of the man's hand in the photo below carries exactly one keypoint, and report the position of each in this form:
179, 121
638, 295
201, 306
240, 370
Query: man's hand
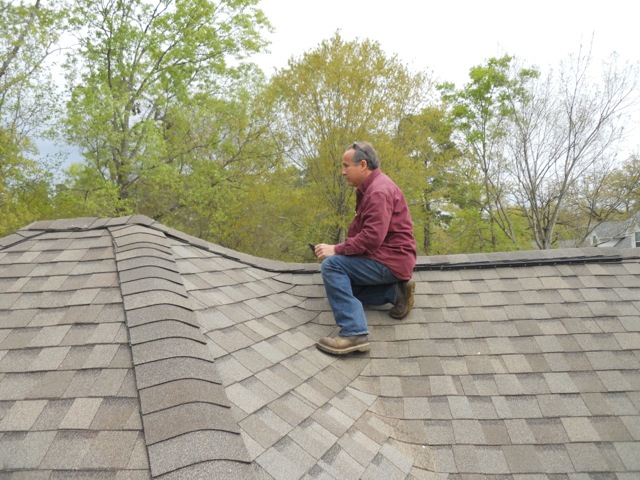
323, 250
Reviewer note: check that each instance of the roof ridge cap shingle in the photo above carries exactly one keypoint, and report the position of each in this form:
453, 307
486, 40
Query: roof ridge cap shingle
155, 339
93, 223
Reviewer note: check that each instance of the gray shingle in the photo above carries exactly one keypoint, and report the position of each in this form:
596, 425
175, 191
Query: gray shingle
169, 347
339, 464
142, 273
229, 470
279, 379
314, 438
163, 330
22, 415
52, 414
291, 408
191, 417
110, 450
156, 297
80, 414
24, 450
519, 371
166, 370
250, 395
68, 449
117, 413
594, 457
179, 392
265, 427
629, 454
194, 448
51, 385
286, 460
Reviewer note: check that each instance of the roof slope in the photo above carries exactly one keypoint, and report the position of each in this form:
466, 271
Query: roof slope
131, 350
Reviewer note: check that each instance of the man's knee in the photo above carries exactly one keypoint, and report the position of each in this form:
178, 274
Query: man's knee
329, 264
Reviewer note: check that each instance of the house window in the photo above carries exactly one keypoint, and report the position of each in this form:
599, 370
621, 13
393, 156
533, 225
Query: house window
637, 239
594, 241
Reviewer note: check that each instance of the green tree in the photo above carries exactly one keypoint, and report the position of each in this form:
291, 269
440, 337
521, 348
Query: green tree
139, 67
83, 192
24, 186
333, 95
600, 195
220, 149
28, 36
435, 178
482, 111
273, 220
624, 185
565, 133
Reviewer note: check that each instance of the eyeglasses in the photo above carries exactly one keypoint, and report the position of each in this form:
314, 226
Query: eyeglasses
355, 146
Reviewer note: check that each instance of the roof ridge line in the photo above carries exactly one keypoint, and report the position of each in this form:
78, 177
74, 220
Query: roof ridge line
425, 263
524, 262
94, 223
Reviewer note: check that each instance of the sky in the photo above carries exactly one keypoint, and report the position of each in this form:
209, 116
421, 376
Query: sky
449, 37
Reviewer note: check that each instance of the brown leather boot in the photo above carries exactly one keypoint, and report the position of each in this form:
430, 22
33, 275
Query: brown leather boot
341, 345
404, 302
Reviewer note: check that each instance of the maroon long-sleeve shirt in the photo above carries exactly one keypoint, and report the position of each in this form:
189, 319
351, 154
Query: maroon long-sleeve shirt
382, 228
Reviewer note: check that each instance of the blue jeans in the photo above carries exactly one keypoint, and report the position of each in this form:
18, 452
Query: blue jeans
350, 283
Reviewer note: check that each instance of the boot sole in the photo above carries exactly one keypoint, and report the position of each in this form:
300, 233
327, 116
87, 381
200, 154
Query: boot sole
411, 288
363, 347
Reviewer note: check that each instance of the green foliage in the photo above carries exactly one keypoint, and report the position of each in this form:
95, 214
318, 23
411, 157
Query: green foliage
28, 36
172, 123
624, 185
470, 232
600, 195
433, 174
218, 149
336, 94
23, 186
139, 65
274, 220
29, 33
482, 111
84, 193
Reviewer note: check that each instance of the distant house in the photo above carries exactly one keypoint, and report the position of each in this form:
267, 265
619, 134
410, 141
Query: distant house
624, 234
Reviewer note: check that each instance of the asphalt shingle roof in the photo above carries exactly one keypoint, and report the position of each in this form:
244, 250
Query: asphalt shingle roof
131, 350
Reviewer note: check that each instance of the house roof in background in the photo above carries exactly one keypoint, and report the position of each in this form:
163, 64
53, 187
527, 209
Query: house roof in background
611, 230
131, 350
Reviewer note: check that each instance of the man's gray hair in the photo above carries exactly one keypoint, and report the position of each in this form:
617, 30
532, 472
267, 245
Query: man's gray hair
365, 151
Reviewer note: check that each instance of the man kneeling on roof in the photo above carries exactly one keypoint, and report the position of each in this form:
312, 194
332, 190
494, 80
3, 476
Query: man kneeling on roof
374, 265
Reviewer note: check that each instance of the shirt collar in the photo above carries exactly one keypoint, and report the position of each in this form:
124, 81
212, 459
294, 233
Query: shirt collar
368, 181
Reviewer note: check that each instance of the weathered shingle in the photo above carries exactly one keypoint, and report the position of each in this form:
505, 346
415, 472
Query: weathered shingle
131, 350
